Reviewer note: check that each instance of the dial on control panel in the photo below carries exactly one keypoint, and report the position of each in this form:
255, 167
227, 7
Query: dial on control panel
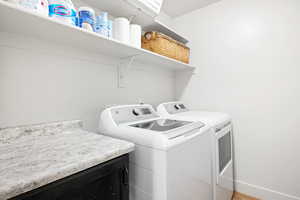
177, 106
141, 111
135, 112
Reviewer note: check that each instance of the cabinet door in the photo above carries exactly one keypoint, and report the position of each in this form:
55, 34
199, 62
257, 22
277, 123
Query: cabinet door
72, 193
108, 181
104, 188
109, 184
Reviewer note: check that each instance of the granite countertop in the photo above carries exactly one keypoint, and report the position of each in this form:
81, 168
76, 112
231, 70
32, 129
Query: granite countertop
33, 156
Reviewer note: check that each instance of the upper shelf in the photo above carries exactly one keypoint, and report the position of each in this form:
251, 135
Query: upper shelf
21, 21
161, 27
120, 8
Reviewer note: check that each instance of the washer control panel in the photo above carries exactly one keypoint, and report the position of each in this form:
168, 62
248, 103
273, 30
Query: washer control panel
141, 111
132, 113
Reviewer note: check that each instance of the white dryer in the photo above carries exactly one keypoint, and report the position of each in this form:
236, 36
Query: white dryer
172, 158
220, 123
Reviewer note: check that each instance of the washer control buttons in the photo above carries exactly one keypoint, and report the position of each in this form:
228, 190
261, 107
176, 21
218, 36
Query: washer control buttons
136, 112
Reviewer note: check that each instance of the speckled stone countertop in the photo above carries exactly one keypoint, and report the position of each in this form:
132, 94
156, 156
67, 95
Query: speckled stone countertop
33, 156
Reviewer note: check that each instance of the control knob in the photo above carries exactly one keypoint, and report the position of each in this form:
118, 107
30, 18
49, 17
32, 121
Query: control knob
135, 112
177, 106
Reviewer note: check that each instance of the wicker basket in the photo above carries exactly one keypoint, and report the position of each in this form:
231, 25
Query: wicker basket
166, 46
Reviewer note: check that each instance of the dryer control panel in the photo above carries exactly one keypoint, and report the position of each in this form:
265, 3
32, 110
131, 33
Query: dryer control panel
175, 107
132, 113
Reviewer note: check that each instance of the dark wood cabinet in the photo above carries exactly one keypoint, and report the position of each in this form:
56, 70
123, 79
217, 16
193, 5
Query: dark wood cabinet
107, 181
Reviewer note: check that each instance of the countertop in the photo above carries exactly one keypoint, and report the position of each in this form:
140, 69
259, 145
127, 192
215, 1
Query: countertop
33, 156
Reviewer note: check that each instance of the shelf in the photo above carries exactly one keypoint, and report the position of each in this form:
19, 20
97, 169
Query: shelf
121, 8
160, 27
21, 21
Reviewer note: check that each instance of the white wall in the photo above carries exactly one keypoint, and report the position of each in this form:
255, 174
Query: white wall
248, 58
41, 82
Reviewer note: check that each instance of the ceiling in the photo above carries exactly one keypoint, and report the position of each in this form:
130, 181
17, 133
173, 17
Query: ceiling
175, 8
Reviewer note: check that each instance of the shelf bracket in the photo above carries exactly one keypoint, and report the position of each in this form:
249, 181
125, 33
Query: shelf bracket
123, 68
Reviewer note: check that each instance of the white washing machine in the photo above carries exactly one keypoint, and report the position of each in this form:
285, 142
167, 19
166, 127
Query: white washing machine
221, 126
172, 158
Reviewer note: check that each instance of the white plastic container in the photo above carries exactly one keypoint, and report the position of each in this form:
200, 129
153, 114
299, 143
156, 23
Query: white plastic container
135, 35
62, 10
110, 29
16, 2
86, 18
101, 24
38, 6
121, 30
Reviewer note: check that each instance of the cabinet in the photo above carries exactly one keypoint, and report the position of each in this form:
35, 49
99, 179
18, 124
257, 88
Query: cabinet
107, 181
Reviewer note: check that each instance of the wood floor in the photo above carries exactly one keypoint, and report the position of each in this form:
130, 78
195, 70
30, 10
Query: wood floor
239, 196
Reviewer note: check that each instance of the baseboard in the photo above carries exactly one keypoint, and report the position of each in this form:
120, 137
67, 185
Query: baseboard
261, 192
238, 195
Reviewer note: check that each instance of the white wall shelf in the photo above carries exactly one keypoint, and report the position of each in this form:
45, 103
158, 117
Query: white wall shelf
121, 8
161, 27
21, 21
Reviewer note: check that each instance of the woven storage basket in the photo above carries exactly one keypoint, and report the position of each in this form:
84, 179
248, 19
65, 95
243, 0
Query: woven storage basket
166, 46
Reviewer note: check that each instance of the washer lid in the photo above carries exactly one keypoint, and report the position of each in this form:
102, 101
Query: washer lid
161, 125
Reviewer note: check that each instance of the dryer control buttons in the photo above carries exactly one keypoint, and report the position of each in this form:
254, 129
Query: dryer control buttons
182, 106
177, 106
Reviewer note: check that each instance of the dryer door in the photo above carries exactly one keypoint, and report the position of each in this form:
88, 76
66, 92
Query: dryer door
224, 163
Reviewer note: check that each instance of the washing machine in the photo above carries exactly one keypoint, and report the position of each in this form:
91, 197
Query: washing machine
172, 158
221, 126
